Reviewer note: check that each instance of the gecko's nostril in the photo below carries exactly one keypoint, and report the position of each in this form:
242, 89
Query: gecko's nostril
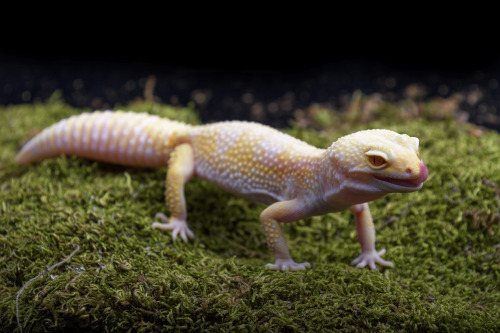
408, 171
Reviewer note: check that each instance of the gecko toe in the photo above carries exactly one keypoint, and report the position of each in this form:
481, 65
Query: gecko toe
370, 259
288, 265
178, 227
162, 217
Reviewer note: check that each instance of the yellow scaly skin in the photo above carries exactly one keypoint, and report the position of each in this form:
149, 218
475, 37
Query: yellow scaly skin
248, 159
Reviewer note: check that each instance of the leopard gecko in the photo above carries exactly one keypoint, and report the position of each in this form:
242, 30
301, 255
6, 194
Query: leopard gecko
296, 180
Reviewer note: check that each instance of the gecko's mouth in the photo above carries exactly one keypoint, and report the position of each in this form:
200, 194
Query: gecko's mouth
410, 184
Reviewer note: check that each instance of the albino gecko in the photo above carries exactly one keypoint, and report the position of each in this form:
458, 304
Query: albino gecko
295, 179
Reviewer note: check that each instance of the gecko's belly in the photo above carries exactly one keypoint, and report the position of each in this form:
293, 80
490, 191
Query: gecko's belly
241, 184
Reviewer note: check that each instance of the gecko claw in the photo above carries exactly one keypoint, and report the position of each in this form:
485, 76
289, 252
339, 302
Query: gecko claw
288, 265
178, 227
370, 258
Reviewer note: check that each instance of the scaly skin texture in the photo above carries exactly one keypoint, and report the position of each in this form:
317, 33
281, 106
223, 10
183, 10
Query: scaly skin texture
257, 162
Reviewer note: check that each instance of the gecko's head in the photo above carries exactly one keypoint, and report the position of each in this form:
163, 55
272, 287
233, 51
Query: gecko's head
379, 161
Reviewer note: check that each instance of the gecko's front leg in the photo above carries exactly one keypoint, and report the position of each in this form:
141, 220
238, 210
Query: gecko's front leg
180, 171
366, 236
283, 211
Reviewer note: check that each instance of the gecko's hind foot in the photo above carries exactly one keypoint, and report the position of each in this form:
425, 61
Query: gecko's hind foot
288, 265
178, 227
370, 258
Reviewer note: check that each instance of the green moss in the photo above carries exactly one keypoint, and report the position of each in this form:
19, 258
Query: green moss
444, 241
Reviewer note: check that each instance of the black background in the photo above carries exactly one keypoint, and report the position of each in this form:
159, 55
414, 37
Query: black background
227, 77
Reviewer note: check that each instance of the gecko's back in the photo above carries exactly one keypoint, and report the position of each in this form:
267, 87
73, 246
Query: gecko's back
253, 160
127, 138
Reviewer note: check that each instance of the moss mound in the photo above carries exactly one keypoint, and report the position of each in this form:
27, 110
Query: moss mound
444, 241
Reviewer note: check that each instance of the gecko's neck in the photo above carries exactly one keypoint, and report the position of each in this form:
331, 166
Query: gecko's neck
330, 178
338, 189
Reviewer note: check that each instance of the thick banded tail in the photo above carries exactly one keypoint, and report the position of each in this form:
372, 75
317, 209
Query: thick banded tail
127, 138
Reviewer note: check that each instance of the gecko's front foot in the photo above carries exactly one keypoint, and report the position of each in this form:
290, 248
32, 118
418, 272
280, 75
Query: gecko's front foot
288, 265
370, 258
178, 227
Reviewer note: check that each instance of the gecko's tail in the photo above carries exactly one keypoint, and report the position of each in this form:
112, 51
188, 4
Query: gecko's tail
127, 138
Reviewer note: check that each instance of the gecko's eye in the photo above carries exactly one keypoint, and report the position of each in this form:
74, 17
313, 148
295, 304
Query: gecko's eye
376, 159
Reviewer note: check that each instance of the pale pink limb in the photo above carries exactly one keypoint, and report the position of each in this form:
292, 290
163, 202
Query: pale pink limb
366, 236
283, 211
180, 170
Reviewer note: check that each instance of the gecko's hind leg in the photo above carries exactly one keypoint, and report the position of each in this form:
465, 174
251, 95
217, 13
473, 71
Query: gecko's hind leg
180, 171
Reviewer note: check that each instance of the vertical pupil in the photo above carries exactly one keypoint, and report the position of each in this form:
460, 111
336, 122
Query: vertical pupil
377, 160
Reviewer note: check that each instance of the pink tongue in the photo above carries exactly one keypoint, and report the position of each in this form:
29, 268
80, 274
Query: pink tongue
424, 173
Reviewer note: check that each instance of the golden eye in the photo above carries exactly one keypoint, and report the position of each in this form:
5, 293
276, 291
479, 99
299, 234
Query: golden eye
376, 159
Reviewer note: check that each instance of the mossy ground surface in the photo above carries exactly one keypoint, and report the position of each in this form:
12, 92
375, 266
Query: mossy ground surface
444, 241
